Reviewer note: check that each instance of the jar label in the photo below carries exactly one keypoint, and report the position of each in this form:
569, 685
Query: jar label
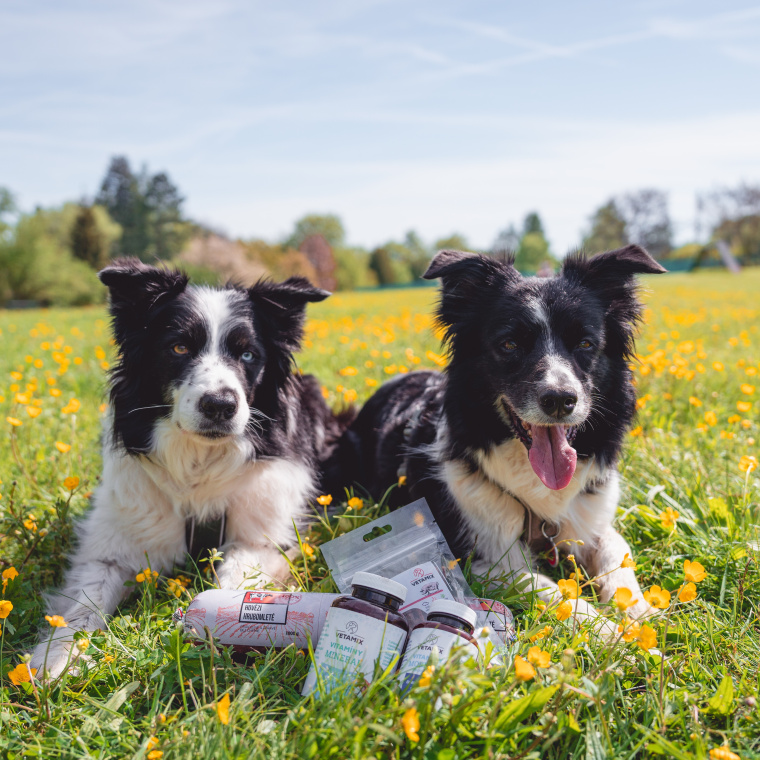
424, 584
350, 644
423, 644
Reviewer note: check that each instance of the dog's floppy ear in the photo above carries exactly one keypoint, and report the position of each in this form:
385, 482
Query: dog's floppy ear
611, 276
449, 262
135, 288
282, 307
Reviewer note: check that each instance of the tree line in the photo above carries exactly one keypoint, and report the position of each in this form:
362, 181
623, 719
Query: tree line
51, 255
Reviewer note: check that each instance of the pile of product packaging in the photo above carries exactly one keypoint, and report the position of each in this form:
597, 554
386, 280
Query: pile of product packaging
403, 601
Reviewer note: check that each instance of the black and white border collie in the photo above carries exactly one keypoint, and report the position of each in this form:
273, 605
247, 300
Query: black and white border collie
207, 419
514, 445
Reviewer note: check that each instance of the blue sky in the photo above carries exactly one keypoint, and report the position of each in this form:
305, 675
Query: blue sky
439, 116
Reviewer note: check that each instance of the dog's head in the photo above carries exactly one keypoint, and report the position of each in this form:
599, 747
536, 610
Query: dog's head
211, 360
538, 350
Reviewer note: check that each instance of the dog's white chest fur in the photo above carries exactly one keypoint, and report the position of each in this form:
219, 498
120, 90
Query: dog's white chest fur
495, 517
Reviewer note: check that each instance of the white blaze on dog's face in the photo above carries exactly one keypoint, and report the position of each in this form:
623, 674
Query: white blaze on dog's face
221, 361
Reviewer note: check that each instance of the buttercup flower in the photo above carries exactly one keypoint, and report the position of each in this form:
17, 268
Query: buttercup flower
630, 629
307, 549
539, 657
8, 575
411, 724
688, 593
20, 674
658, 597
223, 709
155, 754
56, 621
324, 500
147, 576
569, 588
15, 422
748, 463
646, 638
628, 562
624, 598
542, 634
402, 480
427, 676
355, 503
723, 753
694, 571
71, 482
668, 518
564, 611
5, 608
64, 448
524, 671
31, 523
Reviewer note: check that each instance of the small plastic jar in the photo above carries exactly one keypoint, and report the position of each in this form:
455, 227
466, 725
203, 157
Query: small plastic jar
361, 631
448, 629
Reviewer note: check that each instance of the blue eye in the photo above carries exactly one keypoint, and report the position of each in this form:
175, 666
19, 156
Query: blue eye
247, 356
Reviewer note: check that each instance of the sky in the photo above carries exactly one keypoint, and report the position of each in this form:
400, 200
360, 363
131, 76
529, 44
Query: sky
436, 116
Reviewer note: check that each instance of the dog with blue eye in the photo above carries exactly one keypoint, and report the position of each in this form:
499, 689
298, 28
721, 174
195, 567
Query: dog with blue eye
514, 445
208, 424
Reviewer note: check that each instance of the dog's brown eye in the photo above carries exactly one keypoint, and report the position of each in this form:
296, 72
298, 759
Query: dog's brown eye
509, 345
585, 344
180, 349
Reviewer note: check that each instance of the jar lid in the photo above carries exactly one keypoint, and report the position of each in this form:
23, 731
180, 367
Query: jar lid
378, 583
454, 609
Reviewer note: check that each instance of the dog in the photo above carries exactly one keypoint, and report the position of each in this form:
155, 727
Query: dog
514, 445
207, 421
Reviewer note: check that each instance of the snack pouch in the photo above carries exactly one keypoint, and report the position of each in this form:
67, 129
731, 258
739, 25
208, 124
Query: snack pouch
407, 546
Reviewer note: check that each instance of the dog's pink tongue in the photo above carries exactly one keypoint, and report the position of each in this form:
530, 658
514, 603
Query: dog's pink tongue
553, 459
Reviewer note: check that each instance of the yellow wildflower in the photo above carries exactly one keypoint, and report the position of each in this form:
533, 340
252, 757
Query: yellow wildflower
20, 674
8, 575
13, 421
324, 500
564, 611
747, 389
5, 608
711, 418
147, 576
355, 503
569, 588
33, 411
723, 753
539, 657
744, 406
694, 571
524, 671
411, 724
694, 401
402, 480
56, 621
71, 482
646, 637
82, 644
427, 676
348, 371
155, 754
748, 463
542, 634
629, 629
668, 518
624, 598
31, 523
628, 562
64, 448
688, 593
223, 709
658, 597
637, 431
307, 549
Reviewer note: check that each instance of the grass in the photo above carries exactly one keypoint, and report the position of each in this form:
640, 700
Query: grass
147, 692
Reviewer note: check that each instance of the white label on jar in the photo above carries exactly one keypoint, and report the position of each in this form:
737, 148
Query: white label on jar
424, 584
350, 644
423, 643
269, 609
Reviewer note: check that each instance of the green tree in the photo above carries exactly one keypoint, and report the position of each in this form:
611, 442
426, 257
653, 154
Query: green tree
353, 269
507, 241
418, 255
7, 208
328, 226
166, 232
532, 252
532, 224
454, 242
87, 243
607, 229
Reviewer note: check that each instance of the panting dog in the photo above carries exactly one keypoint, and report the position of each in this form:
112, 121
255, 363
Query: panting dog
514, 445
207, 421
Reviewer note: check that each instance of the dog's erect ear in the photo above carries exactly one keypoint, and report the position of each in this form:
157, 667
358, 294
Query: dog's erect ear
611, 276
282, 307
613, 267
130, 281
449, 262
136, 288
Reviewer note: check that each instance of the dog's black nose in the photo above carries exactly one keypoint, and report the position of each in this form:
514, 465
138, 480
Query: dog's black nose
218, 406
558, 403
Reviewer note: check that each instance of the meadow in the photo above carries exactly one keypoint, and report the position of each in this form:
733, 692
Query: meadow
684, 685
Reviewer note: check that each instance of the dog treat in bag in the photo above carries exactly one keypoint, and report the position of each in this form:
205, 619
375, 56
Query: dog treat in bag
361, 631
249, 620
408, 546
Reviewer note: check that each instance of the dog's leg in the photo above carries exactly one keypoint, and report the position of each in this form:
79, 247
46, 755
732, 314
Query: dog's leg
517, 568
604, 557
